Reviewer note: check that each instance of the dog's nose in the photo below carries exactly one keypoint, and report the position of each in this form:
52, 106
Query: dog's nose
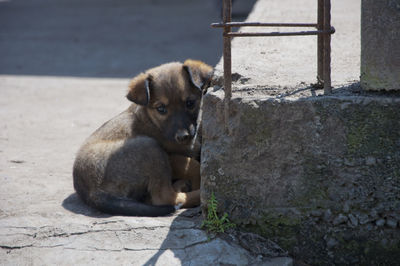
183, 136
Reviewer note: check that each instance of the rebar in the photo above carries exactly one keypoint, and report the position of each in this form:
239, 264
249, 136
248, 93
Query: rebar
320, 48
274, 34
260, 24
324, 31
227, 17
327, 47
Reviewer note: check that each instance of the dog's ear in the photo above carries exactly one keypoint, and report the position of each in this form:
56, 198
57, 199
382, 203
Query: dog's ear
200, 73
139, 89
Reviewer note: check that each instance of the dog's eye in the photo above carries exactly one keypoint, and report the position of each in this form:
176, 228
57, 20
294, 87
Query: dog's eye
190, 104
162, 109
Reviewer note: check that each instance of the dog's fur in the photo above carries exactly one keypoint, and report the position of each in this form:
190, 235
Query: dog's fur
130, 165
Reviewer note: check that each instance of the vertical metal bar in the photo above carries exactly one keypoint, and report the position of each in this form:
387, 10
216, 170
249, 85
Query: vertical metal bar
227, 17
327, 47
320, 53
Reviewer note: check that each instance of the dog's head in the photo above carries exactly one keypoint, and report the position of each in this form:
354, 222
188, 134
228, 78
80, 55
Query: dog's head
170, 96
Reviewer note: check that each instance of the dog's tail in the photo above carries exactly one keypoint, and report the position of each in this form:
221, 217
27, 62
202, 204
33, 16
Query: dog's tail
114, 205
122, 206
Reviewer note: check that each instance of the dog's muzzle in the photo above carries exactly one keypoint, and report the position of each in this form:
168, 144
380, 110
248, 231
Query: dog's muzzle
184, 136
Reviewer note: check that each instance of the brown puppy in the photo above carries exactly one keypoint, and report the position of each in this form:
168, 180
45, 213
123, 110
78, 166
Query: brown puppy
129, 165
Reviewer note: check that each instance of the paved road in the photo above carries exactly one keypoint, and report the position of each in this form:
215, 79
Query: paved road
104, 38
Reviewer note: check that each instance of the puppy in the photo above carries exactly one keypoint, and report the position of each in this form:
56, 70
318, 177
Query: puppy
141, 162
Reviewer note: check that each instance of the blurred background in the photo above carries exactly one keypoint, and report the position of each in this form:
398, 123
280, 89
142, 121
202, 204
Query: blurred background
108, 38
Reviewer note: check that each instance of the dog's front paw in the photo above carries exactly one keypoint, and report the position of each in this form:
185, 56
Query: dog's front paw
178, 206
182, 185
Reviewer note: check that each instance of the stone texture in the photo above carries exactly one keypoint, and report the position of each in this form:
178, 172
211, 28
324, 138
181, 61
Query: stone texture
380, 45
340, 219
284, 158
297, 166
391, 223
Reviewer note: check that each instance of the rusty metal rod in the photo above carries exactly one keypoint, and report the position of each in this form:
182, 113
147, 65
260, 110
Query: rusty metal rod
227, 17
327, 48
320, 48
273, 34
324, 31
260, 24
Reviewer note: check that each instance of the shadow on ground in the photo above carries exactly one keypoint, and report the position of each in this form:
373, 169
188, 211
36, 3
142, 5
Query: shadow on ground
74, 204
105, 38
179, 238
178, 242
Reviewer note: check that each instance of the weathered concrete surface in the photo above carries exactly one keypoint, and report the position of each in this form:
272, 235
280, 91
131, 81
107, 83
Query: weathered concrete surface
292, 61
380, 45
307, 171
318, 174
45, 118
42, 221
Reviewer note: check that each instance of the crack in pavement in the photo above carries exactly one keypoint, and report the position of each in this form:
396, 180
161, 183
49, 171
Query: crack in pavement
128, 228
42, 234
103, 249
15, 247
37, 237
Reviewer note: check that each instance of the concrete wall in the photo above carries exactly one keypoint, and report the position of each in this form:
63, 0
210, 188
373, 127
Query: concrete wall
380, 45
318, 174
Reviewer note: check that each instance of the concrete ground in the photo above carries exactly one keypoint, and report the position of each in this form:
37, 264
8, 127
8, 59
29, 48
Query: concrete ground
103, 38
64, 70
291, 62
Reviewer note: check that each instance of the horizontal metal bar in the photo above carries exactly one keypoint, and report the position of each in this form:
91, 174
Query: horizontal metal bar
272, 34
259, 24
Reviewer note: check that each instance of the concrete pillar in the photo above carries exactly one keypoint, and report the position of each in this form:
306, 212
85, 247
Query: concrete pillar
380, 45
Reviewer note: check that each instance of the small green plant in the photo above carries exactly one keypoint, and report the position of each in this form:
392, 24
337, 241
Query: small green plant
214, 223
